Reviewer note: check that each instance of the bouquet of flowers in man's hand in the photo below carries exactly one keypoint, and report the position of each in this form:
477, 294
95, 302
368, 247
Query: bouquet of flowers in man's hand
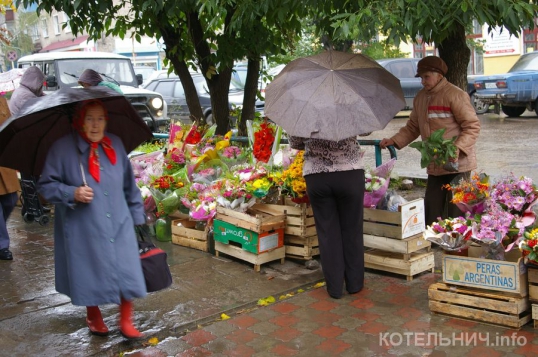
377, 183
470, 195
529, 246
451, 234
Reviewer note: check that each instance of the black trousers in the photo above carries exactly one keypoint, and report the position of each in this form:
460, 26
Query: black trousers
437, 199
337, 200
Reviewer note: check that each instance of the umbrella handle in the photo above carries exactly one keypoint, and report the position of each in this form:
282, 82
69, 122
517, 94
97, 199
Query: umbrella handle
84, 183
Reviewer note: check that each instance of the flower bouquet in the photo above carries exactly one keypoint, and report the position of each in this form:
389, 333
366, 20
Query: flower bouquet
203, 209
452, 234
516, 196
174, 161
177, 135
291, 182
471, 195
264, 138
437, 150
529, 246
234, 155
208, 172
146, 166
496, 231
234, 196
377, 183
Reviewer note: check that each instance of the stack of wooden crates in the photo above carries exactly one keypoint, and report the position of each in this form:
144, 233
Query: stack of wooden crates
254, 236
300, 236
483, 290
395, 240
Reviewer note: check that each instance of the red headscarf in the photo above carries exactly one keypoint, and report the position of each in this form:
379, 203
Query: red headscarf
106, 143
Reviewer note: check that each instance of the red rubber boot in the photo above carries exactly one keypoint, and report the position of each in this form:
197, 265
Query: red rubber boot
95, 322
126, 323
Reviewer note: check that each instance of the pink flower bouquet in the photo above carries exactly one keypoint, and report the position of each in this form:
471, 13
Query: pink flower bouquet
451, 234
377, 183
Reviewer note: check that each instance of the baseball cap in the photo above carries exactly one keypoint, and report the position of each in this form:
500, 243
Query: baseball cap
431, 64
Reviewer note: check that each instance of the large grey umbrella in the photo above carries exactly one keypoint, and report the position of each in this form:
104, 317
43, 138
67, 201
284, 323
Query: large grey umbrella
333, 96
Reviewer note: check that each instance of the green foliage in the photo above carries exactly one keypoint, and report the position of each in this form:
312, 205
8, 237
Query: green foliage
378, 50
435, 149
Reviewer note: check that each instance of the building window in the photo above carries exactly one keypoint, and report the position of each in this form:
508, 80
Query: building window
529, 40
56, 24
66, 21
45, 28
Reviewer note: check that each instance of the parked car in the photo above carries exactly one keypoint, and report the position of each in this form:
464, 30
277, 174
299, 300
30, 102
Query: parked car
514, 91
172, 91
63, 69
405, 70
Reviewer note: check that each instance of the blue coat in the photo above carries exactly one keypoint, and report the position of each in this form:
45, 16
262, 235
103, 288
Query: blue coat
95, 247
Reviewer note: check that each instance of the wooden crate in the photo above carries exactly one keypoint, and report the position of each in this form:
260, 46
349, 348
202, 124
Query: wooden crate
398, 263
535, 315
533, 283
252, 220
186, 236
299, 217
404, 246
407, 222
507, 276
256, 259
479, 305
304, 248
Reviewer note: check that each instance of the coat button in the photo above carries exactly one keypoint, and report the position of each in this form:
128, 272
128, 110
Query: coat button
108, 215
112, 240
106, 193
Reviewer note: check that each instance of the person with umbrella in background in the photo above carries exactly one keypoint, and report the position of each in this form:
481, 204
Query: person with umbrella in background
9, 186
440, 105
88, 176
324, 102
30, 86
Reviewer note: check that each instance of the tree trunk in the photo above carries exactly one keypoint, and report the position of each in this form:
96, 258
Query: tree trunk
454, 51
249, 100
219, 89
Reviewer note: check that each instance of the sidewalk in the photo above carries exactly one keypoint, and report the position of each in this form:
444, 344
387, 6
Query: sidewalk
389, 317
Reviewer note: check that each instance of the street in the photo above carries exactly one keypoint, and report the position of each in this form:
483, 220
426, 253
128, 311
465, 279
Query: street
505, 145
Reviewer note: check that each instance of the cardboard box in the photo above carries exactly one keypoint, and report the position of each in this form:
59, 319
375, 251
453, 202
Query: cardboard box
508, 276
408, 221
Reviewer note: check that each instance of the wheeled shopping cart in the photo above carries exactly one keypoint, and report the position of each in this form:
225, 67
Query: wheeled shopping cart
32, 209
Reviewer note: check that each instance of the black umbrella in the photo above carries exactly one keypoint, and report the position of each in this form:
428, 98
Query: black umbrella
26, 138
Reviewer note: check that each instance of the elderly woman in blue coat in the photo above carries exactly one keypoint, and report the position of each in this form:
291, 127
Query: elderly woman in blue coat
95, 246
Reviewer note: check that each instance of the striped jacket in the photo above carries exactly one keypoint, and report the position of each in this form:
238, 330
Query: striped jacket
445, 106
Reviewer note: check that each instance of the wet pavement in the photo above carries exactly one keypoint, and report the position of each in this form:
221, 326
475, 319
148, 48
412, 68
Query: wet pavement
390, 317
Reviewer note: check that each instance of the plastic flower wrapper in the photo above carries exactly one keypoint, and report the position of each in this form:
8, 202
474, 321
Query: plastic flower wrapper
529, 246
264, 138
209, 172
147, 166
196, 132
166, 202
376, 183
451, 234
471, 195
496, 230
259, 187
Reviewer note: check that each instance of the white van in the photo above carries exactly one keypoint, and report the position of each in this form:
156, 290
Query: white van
63, 69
